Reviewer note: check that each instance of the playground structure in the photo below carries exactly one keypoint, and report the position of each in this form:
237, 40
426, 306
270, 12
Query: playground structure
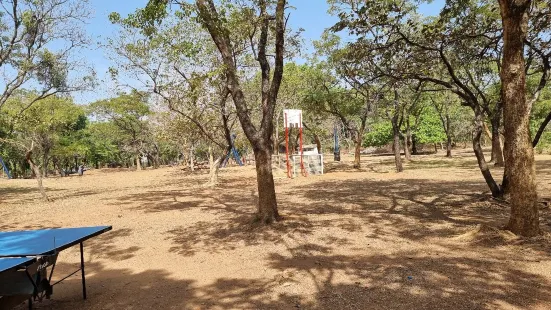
233, 153
5, 168
299, 163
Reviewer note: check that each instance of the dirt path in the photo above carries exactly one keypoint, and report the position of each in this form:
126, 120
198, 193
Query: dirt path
369, 239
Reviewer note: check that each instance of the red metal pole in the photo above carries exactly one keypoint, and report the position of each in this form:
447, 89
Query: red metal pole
287, 147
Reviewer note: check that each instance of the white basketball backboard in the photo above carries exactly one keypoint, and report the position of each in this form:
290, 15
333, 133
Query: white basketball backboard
292, 118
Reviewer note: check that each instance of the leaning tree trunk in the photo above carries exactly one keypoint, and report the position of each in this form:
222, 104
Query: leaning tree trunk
479, 153
519, 154
267, 204
497, 152
541, 129
37, 173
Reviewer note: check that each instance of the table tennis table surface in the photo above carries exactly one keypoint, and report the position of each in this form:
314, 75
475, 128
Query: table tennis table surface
15, 262
18, 248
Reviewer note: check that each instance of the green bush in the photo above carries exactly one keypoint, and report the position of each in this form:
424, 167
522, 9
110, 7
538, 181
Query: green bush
379, 135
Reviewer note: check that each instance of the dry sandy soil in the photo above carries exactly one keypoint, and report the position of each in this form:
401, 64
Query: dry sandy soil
351, 239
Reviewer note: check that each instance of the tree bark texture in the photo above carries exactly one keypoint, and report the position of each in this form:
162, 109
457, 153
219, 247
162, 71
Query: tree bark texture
497, 152
191, 164
449, 146
138, 163
396, 147
214, 167
37, 173
407, 140
45, 162
260, 138
477, 147
519, 154
318, 143
267, 203
358, 150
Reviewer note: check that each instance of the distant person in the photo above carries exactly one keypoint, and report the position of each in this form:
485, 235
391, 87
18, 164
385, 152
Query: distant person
81, 170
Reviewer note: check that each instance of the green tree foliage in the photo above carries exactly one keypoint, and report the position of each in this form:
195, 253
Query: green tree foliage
128, 112
39, 44
47, 128
380, 134
430, 128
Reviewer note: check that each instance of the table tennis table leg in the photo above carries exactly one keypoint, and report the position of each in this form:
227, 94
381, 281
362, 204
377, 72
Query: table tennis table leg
82, 270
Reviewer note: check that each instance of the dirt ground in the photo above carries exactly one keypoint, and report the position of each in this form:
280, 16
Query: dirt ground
351, 239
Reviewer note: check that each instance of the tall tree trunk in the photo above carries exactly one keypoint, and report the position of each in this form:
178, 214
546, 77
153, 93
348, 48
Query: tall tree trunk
45, 162
138, 162
505, 182
267, 204
449, 146
36, 170
13, 169
191, 165
407, 155
214, 167
260, 138
276, 141
479, 153
519, 154
497, 152
407, 138
396, 147
488, 135
448, 132
358, 150
414, 150
55, 163
318, 143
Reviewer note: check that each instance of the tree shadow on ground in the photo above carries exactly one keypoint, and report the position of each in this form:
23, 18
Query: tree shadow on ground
22, 195
19, 226
424, 201
443, 163
414, 281
380, 210
104, 246
156, 289
408, 208
407, 281
153, 201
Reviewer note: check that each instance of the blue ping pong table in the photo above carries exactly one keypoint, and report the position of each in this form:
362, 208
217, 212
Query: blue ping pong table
25, 257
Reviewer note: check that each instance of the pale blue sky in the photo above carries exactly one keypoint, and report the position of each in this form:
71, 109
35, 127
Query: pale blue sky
311, 15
